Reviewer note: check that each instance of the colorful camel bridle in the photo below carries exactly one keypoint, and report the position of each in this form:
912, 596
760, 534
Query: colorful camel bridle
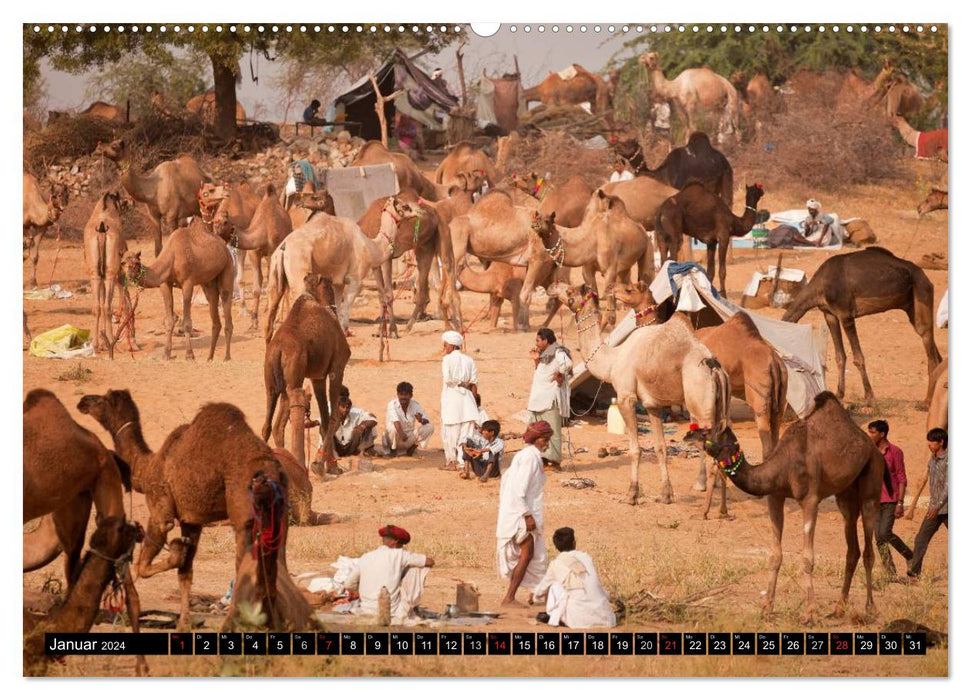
558, 250
588, 297
731, 464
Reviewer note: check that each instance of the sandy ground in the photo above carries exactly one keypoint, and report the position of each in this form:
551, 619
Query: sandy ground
665, 549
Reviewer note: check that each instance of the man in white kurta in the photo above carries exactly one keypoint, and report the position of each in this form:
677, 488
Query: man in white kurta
459, 411
520, 551
391, 567
549, 396
406, 425
574, 595
355, 429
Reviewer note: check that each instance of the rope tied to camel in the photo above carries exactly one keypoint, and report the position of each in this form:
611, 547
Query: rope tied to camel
113, 599
268, 537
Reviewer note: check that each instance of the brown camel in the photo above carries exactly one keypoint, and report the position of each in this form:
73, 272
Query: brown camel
268, 227
697, 213
303, 205
936, 418
464, 158
112, 113
568, 200
409, 175
937, 199
204, 107
642, 196
660, 366
170, 191
225, 204
201, 475
191, 257
756, 94
308, 344
903, 98
109, 551
695, 93
866, 282
502, 281
824, 454
40, 213
582, 86
608, 241
104, 246
855, 92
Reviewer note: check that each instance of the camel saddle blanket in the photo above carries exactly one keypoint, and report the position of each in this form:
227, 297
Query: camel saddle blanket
568, 72
932, 144
353, 189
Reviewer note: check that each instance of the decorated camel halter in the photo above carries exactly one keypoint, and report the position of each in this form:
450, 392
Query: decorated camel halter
731, 464
590, 296
558, 251
646, 312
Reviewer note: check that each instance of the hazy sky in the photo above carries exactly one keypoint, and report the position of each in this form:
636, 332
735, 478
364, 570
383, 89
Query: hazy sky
538, 53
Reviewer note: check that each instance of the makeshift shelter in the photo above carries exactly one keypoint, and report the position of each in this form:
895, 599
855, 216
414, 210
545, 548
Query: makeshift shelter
802, 351
499, 101
425, 100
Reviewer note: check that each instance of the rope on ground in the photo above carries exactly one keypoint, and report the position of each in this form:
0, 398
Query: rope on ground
57, 253
475, 318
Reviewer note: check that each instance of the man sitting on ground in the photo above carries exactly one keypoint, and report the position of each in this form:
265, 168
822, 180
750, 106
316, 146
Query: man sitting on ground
574, 596
355, 430
483, 452
401, 433
389, 566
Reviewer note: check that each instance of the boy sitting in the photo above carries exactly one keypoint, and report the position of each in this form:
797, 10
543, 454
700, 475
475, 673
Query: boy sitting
483, 452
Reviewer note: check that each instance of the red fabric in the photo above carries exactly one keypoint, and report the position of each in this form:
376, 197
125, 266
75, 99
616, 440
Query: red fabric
894, 457
932, 144
537, 430
399, 533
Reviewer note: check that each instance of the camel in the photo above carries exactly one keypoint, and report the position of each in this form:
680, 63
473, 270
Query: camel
862, 283
936, 418
757, 96
464, 158
169, 191
409, 175
582, 86
406, 222
304, 204
658, 365
191, 257
903, 98
268, 227
204, 107
502, 281
927, 144
330, 246
109, 551
937, 199
855, 92
104, 246
201, 475
642, 196
103, 110
697, 213
694, 93
824, 454
308, 344
607, 241
40, 213
568, 200
225, 205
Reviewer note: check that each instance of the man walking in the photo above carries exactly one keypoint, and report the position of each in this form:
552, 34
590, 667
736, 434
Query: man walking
937, 507
891, 503
549, 397
459, 410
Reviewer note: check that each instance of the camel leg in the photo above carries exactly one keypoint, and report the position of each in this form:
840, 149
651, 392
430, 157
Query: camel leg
849, 326
190, 534
711, 261
35, 256
869, 509
257, 292
155, 538
168, 308
922, 319
212, 296
495, 308
134, 608
777, 516
326, 429
423, 261
723, 248
837, 335
848, 503
226, 297
384, 279
526, 295
280, 422
272, 395
626, 405
810, 510
111, 281
158, 235
97, 304
187, 291
70, 524
298, 404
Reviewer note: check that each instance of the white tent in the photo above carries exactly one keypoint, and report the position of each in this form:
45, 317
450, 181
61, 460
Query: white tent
802, 351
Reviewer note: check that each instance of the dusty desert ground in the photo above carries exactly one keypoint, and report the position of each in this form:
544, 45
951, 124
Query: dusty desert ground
667, 550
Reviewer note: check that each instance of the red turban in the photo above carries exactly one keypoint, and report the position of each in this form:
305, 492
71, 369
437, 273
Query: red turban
398, 533
537, 430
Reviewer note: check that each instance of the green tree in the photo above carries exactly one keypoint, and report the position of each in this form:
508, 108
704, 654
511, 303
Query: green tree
224, 45
135, 78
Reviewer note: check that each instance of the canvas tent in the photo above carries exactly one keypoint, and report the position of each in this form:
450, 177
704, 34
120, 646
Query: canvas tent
423, 99
802, 351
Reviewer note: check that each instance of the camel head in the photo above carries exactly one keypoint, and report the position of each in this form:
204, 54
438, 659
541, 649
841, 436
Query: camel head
114, 410
649, 59
315, 200
739, 79
115, 537
320, 288
115, 150
723, 447
543, 224
527, 183
576, 299
753, 193
636, 295
131, 266
59, 196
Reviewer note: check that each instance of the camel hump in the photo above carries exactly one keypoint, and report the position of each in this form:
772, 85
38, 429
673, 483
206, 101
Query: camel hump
823, 399
36, 396
745, 322
220, 414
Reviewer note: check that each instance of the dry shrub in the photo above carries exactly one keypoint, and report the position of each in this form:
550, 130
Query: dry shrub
66, 138
820, 147
559, 156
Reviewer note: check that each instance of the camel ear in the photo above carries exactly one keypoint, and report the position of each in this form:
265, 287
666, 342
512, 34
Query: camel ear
600, 193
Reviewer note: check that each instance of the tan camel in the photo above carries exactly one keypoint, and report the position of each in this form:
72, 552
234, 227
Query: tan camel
867, 282
103, 110
936, 418
309, 344
104, 246
504, 148
228, 205
204, 107
201, 475
582, 86
409, 175
903, 98
110, 549
170, 191
642, 196
268, 227
40, 213
568, 200
502, 281
695, 93
855, 91
191, 257
824, 454
658, 365
465, 158
756, 94
333, 247
937, 199
310, 201
608, 241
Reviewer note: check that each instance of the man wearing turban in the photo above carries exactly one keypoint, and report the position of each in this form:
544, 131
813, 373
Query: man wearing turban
459, 410
389, 566
818, 228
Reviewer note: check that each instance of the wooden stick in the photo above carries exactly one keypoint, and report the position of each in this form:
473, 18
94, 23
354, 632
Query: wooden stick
379, 102
458, 56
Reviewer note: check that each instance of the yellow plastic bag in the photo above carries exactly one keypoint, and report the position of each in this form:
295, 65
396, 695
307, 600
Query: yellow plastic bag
64, 342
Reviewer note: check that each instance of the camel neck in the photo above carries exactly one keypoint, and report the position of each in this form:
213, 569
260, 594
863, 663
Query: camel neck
140, 188
131, 447
744, 223
756, 479
81, 607
660, 83
593, 346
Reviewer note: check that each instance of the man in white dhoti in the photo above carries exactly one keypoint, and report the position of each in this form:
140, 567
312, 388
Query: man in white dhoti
400, 431
520, 551
389, 566
549, 397
574, 596
459, 410
355, 429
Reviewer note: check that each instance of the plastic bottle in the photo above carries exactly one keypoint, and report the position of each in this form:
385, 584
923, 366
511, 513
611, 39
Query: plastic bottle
615, 421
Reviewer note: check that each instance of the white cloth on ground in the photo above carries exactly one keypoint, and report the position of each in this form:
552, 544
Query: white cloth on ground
587, 604
521, 494
400, 571
545, 392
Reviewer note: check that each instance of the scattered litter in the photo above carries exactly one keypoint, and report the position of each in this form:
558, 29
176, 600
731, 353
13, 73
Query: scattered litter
683, 450
669, 429
64, 342
581, 450
578, 482
46, 293
511, 435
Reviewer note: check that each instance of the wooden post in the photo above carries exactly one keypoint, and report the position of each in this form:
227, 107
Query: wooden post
458, 56
379, 102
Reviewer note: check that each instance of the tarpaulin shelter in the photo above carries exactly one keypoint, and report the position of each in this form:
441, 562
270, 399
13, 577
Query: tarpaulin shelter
425, 100
499, 101
802, 351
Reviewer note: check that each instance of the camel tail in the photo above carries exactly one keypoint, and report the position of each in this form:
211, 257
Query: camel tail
276, 288
723, 396
777, 397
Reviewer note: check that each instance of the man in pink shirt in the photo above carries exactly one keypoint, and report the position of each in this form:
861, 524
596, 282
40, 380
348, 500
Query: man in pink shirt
891, 504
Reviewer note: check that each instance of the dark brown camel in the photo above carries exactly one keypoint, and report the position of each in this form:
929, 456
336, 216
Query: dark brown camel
310, 343
937, 199
824, 454
110, 550
697, 213
866, 282
200, 475
698, 161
